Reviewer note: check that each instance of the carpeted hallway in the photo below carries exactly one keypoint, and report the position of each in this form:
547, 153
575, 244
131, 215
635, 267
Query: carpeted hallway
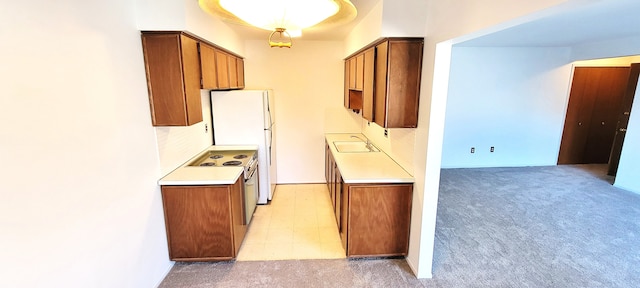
557, 226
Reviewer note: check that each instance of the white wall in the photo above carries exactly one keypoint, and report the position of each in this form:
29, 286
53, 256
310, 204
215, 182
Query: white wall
399, 19
403, 18
607, 48
178, 144
307, 82
472, 19
419, 150
80, 204
513, 99
604, 62
368, 30
186, 15
441, 25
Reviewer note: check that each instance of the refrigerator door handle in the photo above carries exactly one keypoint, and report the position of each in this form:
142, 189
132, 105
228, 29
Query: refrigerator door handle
270, 144
269, 111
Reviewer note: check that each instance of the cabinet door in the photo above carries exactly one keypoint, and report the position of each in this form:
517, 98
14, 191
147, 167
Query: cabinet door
233, 71
353, 82
222, 69
208, 67
397, 81
352, 73
338, 205
237, 214
191, 68
403, 88
379, 220
198, 222
172, 66
367, 89
344, 219
346, 83
327, 164
380, 93
359, 72
240, 69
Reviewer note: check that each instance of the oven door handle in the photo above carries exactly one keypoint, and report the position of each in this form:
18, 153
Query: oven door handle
252, 171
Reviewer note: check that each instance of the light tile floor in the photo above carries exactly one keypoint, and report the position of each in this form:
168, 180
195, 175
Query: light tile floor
298, 224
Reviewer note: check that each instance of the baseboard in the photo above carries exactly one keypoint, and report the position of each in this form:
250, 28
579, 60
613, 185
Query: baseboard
415, 271
165, 274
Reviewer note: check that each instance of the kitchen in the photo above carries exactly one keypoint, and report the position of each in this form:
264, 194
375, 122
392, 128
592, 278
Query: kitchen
247, 117
115, 215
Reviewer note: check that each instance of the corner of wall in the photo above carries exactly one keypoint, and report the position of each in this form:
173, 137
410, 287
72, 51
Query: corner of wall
368, 30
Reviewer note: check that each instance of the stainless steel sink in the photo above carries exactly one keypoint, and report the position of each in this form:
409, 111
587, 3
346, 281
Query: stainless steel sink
354, 146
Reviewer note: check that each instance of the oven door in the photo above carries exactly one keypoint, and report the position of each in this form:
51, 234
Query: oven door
250, 194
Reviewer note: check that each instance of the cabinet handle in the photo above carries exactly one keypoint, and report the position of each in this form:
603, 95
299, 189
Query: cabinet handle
579, 123
623, 130
602, 123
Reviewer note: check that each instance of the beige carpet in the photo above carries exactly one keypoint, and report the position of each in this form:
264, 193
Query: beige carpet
558, 226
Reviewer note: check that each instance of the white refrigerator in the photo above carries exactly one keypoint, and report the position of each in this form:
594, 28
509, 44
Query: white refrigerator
246, 117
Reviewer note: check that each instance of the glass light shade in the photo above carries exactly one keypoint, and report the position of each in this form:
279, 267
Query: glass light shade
289, 14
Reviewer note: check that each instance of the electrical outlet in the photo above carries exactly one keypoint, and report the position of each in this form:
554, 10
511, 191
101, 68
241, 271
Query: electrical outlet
473, 149
206, 128
492, 149
386, 133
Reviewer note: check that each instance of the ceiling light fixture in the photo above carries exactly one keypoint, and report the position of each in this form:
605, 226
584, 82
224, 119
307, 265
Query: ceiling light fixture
282, 16
283, 39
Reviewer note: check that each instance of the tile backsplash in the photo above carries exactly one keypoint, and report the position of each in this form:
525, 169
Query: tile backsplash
176, 145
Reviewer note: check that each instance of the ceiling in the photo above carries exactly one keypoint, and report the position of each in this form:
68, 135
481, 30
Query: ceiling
314, 33
598, 21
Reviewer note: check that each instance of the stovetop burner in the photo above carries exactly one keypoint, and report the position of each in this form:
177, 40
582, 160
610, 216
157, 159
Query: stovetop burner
230, 158
232, 163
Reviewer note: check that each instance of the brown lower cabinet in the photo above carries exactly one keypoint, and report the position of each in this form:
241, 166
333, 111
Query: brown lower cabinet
378, 219
373, 219
204, 223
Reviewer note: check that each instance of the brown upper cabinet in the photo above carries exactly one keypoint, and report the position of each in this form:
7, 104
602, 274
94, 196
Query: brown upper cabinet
358, 73
233, 72
354, 76
178, 65
369, 57
240, 72
173, 78
208, 67
230, 71
391, 74
352, 96
222, 67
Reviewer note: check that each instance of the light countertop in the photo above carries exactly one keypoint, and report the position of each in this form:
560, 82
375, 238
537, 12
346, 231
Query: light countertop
208, 175
366, 167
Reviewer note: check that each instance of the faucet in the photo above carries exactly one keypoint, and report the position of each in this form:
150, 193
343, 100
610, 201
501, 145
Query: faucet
368, 143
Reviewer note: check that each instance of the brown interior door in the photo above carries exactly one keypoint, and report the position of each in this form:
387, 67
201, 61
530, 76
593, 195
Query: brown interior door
594, 101
623, 119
